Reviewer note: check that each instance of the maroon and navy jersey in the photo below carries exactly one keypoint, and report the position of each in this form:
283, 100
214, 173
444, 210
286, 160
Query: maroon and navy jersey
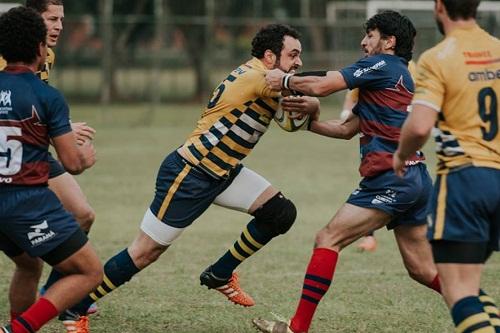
31, 112
385, 93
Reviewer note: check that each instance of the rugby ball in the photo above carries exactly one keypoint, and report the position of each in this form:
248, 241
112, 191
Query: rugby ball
284, 121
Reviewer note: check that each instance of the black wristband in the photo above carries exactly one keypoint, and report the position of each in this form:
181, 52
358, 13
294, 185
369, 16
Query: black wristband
312, 73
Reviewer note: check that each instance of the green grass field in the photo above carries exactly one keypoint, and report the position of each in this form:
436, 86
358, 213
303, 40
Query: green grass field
371, 292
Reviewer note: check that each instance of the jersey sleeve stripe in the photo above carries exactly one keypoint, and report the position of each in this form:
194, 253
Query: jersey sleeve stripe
426, 103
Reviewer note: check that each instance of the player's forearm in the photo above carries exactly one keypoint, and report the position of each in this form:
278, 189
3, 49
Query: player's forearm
310, 85
315, 85
416, 130
332, 128
410, 141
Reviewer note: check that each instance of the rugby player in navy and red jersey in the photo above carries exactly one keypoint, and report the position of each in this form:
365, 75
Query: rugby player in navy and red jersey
33, 222
62, 183
382, 199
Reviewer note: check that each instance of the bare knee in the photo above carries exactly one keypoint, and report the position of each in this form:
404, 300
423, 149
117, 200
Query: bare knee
416, 275
420, 273
85, 217
144, 250
93, 272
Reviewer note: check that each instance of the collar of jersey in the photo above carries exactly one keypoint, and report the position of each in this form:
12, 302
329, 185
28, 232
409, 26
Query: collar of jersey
17, 69
460, 30
256, 64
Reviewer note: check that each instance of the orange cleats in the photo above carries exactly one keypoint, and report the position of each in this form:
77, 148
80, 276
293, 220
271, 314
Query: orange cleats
368, 244
234, 293
78, 324
228, 287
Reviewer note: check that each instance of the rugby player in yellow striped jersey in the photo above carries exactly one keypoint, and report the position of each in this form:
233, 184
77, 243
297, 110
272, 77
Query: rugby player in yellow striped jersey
457, 93
207, 170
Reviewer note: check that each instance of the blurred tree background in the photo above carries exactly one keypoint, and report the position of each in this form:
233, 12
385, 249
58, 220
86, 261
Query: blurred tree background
169, 50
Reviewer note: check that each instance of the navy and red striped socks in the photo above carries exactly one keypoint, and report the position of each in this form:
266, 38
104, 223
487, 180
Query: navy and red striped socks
35, 317
319, 275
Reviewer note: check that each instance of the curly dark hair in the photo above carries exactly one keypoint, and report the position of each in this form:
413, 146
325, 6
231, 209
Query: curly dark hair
22, 30
271, 38
42, 5
461, 9
391, 23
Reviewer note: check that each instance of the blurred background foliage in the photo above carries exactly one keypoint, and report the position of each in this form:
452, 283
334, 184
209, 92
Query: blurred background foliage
158, 51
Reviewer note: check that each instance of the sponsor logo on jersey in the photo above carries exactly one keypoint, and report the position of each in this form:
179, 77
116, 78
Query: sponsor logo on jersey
484, 75
40, 233
5, 180
362, 71
477, 54
5, 101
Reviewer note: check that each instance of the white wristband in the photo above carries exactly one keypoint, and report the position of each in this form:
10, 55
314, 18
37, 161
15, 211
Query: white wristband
286, 81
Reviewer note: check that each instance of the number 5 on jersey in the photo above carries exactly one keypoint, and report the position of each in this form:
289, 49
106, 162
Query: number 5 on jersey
11, 151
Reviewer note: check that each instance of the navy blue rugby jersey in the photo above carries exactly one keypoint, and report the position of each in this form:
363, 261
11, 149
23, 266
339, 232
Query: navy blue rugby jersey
385, 92
31, 113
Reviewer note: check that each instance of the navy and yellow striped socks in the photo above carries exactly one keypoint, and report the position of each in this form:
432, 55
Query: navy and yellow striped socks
475, 314
117, 271
491, 309
251, 240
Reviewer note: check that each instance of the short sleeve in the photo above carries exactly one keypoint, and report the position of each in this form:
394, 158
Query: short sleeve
430, 87
58, 116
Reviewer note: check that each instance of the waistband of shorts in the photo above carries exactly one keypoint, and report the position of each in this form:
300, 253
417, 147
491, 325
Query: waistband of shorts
203, 170
13, 188
460, 167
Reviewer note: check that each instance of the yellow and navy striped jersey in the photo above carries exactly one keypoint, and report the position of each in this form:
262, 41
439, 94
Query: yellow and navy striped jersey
236, 116
460, 78
412, 68
43, 74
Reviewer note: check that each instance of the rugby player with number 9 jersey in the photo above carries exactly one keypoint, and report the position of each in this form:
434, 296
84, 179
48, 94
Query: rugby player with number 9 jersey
456, 99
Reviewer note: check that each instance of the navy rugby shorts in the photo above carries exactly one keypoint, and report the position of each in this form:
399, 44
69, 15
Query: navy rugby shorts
465, 206
404, 198
184, 191
33, 220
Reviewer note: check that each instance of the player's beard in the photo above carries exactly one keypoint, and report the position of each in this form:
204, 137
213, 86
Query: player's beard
277, 64
376, 50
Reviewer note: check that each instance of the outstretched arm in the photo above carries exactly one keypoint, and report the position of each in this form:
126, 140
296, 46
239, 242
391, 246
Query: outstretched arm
335, 128
311, 85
